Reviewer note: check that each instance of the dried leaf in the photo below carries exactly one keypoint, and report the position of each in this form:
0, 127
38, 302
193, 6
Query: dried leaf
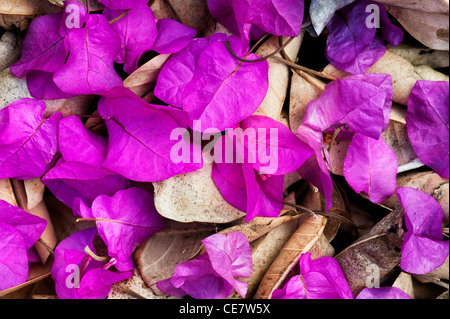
157, 257
7, 192
440, 6
193, 197
143, 80
34, 190
430, 28
404, 282
422, 56
162, 10
307, 238
27, 7
192, 13
278, 76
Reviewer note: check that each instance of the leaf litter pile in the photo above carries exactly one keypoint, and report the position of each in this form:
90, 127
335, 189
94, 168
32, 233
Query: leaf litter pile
224, 149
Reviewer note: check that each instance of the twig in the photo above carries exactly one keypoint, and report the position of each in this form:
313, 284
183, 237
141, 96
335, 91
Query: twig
302, 208
119, 17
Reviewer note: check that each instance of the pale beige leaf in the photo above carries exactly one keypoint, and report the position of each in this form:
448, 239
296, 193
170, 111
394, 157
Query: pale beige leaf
440, 6
278, 76
307, 238
301, 93
27, 7
442, 272
194, 197
143, 80
7, 192
157, 257
405, 283
422, 56
430, 28
34, 189
134, 288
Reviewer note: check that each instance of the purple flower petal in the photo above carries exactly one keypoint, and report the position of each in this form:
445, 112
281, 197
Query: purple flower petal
221, 94
90, 66
77, 144
293, 289
13, 257
137, 32
427, 123
96, 283
173, 36
423, 248
70, 180
42, 86
383, 293
125, 220
371, 167
28, 143
229, 179
28, 225
230, 256
140, 144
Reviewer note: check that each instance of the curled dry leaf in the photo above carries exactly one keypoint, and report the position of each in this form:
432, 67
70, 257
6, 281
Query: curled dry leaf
422, 56
157, 257
72, 106
428, 182
143, 80
7, 192
278, 75
440, 6
161, 10
194, 197
307, 238
405, 283
34, 190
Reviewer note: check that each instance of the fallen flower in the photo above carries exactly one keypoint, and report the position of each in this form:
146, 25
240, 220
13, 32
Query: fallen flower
424, 248
383, 293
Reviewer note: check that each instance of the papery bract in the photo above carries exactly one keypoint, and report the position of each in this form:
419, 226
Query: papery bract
70, 180
90, 66
78, 144
123, 4
137, 31
319, 279
353, 44
140, 141
19, 231
77, 275
383, 293
424, 248
28, 142
281, 18
354, 101
427, 124
13, 257
42, 86
124, 221
224, 91
173, 36
371, 167
213, 275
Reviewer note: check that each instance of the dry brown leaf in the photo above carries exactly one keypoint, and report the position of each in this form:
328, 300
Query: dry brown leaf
301, 93
34, 190
278, 75
157, 257
421, 56
7, 192
193, 13
143, 80
74, 106
428, 182
430, 28
162, 10
425, 6
194, 197
442, 272
27, 7
307, 238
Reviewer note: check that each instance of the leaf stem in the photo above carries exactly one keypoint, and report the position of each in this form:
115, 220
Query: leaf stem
302, 208
119, 17
88, 251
